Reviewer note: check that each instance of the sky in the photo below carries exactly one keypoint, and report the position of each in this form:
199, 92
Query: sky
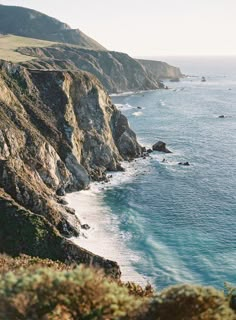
149, 27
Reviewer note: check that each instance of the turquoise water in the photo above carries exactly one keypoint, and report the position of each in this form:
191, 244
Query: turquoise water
180, 221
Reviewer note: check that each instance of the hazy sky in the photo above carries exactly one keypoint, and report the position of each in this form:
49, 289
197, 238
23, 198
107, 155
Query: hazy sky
149, 27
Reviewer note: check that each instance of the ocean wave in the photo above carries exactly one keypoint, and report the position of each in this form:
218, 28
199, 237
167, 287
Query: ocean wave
162, 103
127, 93
104, 236
125, 106
137, 114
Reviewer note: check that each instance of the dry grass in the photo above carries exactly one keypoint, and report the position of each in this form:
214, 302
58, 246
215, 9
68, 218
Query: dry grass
9, 43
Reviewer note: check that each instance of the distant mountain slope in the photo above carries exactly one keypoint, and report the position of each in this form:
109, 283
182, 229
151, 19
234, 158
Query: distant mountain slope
33, 24
117, 71
163, 69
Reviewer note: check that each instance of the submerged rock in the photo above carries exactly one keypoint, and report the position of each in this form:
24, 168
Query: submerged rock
184, 163
161, 147
85, 226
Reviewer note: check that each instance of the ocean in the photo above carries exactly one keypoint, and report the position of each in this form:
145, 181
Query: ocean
165, 223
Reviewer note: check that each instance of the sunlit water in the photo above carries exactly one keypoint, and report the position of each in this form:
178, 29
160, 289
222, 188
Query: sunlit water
167, 223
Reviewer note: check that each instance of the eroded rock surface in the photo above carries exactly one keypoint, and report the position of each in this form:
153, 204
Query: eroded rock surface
117, 71
58, 130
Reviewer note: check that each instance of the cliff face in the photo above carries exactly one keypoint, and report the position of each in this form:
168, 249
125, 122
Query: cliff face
117, 71
57, 131
33, 24
161, 70
25, 232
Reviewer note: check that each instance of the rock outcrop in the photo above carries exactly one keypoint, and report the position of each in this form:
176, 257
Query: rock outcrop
25, 232
58, 130
161, 147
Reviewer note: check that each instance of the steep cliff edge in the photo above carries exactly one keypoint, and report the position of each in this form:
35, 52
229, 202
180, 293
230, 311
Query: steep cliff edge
25, 232
161, 70
117, 71
58, 130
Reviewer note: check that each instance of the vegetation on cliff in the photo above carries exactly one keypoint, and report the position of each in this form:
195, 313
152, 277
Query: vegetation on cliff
33, 24
117, 71
41, 42
23, 231
42, 289
10, 43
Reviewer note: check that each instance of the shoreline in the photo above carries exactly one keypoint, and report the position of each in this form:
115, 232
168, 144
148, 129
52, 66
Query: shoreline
127, 93
104, 238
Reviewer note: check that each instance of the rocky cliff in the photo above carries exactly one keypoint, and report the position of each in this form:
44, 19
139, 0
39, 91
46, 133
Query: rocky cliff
58, 130
33, 24
117, 71
161, 70
72, 50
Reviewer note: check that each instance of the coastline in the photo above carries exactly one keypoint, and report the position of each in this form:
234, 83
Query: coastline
127, 93
104, 238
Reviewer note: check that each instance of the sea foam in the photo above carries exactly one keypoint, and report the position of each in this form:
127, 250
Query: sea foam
104, 237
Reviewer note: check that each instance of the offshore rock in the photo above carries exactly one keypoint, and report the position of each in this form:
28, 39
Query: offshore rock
161, 147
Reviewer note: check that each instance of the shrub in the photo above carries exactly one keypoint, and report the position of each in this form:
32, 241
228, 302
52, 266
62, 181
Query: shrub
81, 293
231, 294
188, 302
8, 263
49, 290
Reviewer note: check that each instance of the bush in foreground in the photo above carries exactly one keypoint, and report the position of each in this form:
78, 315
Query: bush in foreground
81, 293
38, 289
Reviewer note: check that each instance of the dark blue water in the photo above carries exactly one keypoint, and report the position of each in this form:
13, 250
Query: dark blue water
181, 221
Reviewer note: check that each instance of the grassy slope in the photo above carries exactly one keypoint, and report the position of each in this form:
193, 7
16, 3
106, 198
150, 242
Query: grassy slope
26, 22
9, 43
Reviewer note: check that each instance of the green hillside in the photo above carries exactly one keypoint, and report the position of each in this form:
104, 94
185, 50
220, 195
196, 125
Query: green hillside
9, 44
33, 24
